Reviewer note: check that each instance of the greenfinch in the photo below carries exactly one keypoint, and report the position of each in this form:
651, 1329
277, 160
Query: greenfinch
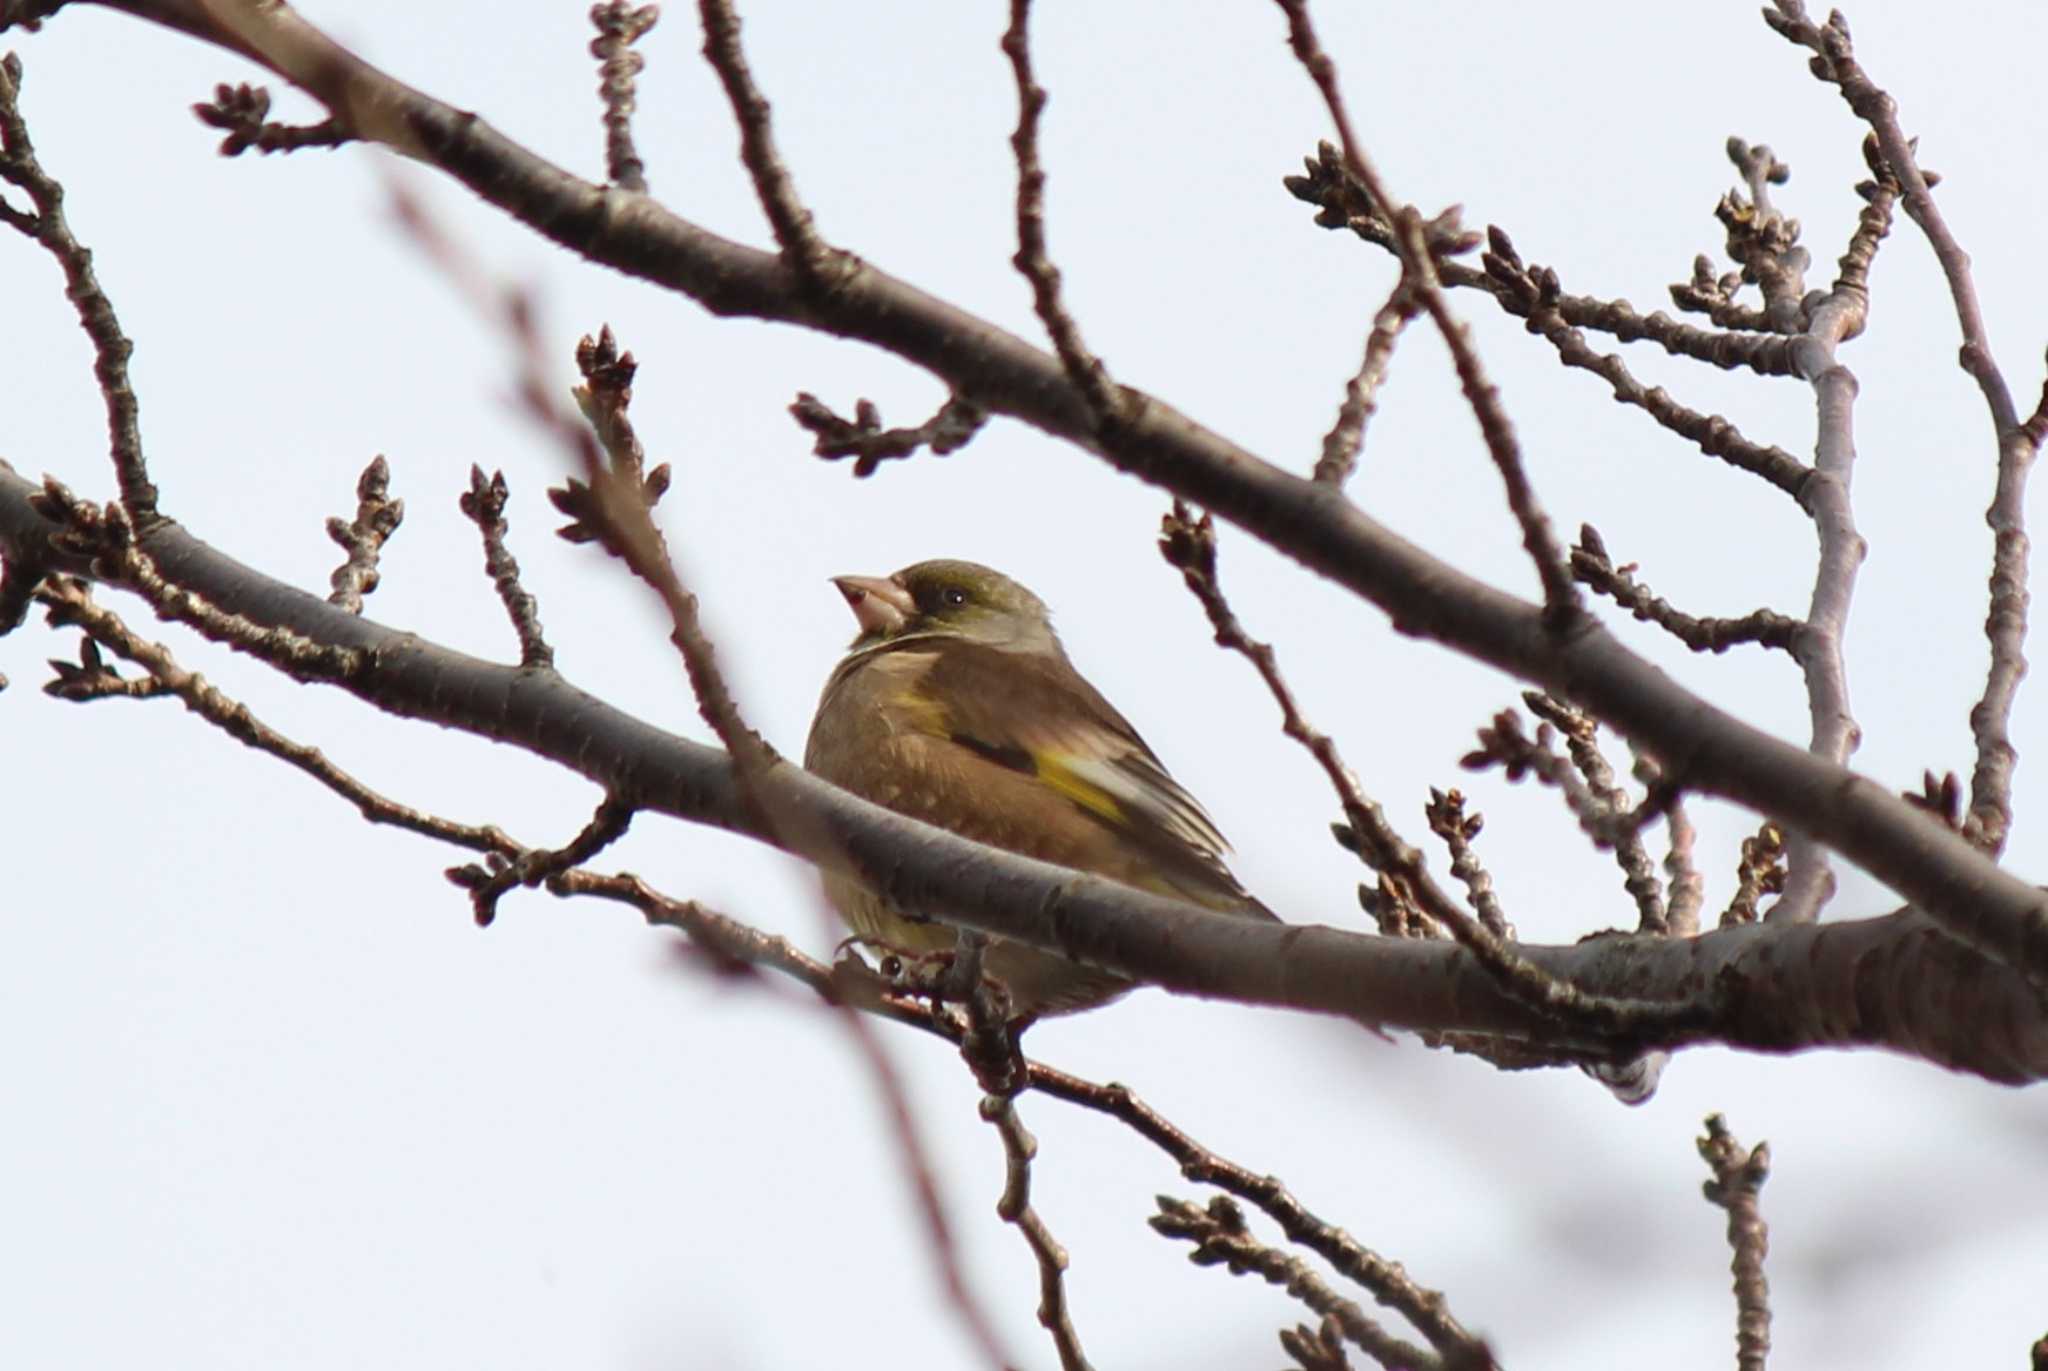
957, 705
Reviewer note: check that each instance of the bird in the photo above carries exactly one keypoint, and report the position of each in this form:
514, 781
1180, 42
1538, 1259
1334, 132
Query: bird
957, 705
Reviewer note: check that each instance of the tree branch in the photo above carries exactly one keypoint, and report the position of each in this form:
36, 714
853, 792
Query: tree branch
1771, 988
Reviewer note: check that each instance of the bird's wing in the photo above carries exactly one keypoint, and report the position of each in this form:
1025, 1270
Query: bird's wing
1035, 715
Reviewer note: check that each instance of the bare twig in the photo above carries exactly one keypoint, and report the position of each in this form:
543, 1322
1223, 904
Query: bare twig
70, 602
619, 26
1537, 294
1504, 744
110, 346
865, 440
1818, 647
1361, 393
1419, 246
1220, 1237
534, 866
1682, 877
1106, 401
1760, 872
243, 112
1387, 1282
622, 509
1582, 743
744, 945
1448, 820
1343, 205
484, 504
1714, 296
989, 1045
1316, 1349
1739, 1174
1764, 241
1592, 566
1894, 164
1015, 1208
814, 261
90, 678
1873, 222
1190, 546
107, 539
363, 538
741, 944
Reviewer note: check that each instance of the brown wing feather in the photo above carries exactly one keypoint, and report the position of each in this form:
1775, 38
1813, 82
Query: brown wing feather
1039, 719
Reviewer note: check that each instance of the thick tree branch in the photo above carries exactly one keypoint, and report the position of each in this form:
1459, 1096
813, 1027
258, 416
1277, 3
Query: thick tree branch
1778, 988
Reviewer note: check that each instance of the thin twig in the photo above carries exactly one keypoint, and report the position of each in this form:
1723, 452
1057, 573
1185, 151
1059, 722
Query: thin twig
740, 943
1343, 205
70, 603
1714, 296
1739, 1174
110, 346
536, 866
619, 27
1880, 194
1361, 393
1106, 401
484, 504
1682, 877
2005, 625
243, 112
1386, 1281
814, 261
1760, 872
1593, 567
1764, 241
865, 440
1015, 1208
1316, 1349
1220, 1237
1818, 647
107, 537
1448, 820
1503, 743
990, 1047
1190, 545
1418, 259
1582, 743
363, 538
1537, 294
629, 533
90, 678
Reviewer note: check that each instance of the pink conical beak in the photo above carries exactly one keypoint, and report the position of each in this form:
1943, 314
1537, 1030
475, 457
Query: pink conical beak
878, 604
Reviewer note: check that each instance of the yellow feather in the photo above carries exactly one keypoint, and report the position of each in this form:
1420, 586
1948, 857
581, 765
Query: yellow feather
1083, 792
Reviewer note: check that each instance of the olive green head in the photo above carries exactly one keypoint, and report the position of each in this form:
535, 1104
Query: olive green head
946, 598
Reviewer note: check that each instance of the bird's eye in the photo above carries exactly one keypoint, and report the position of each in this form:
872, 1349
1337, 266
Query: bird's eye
953, 597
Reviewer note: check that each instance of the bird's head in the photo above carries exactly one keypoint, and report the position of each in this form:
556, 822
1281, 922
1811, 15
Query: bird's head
946, 598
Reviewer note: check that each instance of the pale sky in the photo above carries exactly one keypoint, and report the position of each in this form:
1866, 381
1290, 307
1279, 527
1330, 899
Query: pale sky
274, 1101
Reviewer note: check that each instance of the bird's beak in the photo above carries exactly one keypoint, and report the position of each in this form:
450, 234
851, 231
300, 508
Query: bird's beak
879, 605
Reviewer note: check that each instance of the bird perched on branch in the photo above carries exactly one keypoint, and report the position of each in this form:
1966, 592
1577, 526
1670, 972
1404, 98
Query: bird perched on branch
957, 705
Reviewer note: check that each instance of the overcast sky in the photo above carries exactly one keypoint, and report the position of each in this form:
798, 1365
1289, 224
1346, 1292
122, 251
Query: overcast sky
272, 1100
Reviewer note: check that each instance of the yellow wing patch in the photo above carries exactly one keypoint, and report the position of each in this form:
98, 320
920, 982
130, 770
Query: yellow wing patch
1056, 772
